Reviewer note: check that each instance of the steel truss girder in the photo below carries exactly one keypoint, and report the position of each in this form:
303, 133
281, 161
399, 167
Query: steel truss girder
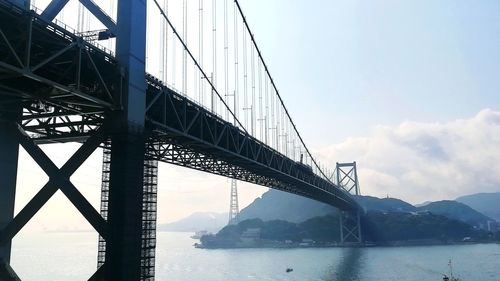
204, 141
48, 64
60, 125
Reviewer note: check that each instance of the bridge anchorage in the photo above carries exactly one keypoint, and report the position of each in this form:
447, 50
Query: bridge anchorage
59, 85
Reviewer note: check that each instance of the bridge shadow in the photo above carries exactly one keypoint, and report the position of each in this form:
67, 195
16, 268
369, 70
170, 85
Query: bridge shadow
349, 267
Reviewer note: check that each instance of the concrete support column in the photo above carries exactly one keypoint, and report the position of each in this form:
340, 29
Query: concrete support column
9, 151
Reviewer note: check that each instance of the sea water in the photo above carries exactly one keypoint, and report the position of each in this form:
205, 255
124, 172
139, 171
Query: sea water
72, 256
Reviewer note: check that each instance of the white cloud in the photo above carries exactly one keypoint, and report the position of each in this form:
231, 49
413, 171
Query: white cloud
426, 161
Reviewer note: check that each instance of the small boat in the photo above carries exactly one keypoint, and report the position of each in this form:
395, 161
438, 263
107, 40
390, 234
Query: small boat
450, 277
289, 270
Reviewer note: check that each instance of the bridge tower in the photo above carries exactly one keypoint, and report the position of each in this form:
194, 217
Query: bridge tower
350, 222
233, 204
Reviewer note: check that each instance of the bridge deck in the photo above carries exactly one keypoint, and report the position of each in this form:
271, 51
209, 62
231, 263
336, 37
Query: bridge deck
69, 87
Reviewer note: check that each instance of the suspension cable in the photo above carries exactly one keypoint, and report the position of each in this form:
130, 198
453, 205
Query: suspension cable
184, 57
200, 47
226, 58
197, 64
275, 88
236, 66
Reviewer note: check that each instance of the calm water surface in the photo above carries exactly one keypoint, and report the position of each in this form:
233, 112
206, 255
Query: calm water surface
72, 256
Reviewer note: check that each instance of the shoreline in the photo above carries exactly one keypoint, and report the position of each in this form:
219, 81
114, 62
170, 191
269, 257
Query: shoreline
394, 244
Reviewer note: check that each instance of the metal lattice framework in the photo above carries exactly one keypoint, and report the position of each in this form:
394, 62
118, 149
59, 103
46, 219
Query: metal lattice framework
347, 177
106, 171
233, 203
149, 201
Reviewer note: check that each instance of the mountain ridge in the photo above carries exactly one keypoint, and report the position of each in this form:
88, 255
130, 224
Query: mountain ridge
486, 203
278, 205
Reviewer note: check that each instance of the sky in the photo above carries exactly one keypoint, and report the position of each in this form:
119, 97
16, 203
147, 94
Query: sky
408, 89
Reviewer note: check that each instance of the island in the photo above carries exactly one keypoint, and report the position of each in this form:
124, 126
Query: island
385, 222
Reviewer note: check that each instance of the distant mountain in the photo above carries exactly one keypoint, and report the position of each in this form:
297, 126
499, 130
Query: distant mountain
377, 227
211, 222
458, 211
486, 203
279, 205
385, 205
414, 226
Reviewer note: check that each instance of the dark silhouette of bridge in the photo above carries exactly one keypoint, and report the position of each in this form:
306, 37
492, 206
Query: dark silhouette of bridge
59, 85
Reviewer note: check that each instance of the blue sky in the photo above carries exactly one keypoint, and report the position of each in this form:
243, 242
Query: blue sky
351, 65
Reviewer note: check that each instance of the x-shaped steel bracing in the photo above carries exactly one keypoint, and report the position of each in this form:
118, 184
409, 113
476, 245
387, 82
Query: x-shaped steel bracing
59, 179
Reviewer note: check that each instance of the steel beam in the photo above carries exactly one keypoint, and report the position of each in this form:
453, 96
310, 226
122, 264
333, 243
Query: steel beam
9, 150
53, 9
131, 55
123, 246
100, 15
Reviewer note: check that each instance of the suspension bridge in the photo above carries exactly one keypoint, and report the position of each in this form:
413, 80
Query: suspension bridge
181, 82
